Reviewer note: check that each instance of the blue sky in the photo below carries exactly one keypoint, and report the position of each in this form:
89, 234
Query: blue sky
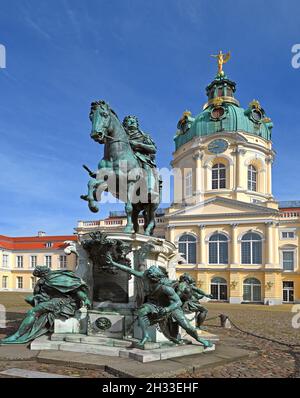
149, 58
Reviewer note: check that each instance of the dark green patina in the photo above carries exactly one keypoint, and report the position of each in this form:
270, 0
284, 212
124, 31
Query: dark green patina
163, 305
223, 113
127, 170
57, 294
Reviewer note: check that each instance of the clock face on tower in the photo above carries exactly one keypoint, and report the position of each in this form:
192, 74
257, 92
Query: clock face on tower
217, 146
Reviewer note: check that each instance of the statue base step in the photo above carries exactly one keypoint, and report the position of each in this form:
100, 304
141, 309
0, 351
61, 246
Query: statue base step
124, 348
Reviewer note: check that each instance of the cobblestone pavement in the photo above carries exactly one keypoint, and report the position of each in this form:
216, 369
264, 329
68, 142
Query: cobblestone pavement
273, 360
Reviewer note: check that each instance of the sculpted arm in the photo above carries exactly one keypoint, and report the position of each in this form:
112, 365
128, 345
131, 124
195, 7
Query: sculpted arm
124, 268
200, 292
175, 301
145, 147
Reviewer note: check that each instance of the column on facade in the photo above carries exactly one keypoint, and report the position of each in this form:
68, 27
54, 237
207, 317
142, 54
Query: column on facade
276, 245
201, 245
170, 233
269, 161
239, 152
198, 175
269, 244
234, 245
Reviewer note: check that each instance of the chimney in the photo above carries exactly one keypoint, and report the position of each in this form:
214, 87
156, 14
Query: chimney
41, 233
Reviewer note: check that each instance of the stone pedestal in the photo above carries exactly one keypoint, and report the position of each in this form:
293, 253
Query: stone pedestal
117, 296
111, 327
77, 324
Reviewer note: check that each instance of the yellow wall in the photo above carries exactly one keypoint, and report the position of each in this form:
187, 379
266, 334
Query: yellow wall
12, 272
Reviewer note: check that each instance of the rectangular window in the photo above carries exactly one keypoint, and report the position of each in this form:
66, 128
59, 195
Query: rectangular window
246, 253
213, 253
223, 255
19, 261
33, 282
5, 261
49, 244
288, 260
33, 261
287, 235
19, 282
4, 282
188, 185
257, 253
62, 261
182, 249
48, 261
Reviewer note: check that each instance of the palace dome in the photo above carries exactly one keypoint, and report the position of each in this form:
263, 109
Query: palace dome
222, 113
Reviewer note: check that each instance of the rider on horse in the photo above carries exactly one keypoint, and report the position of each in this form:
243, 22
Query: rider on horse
144, 148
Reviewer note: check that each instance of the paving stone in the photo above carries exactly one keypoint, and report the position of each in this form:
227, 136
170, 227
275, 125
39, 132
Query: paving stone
77, 359
32, 374
16, 352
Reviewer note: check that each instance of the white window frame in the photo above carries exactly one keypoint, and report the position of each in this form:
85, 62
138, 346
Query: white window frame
218, 243
288, 249
221, 166
45, 260
49, 244
4, 278
64, 262
19, 278
188, 247
252, 181
32, 282
251, 248
287, 231
18, 257
31, 257
188, 185
5, 264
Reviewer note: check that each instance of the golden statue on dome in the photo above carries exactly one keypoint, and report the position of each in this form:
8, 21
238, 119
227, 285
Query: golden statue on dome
222, 59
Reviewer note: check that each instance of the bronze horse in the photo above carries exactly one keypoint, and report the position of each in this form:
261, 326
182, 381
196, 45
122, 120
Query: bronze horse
120, 172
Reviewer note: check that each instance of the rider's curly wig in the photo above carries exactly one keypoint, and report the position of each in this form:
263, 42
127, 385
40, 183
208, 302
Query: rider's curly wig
126, 118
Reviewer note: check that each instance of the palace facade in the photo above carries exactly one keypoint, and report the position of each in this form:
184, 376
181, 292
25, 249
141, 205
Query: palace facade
239, 243
20, 255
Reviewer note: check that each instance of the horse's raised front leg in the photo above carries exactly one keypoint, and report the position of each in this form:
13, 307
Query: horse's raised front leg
93, 190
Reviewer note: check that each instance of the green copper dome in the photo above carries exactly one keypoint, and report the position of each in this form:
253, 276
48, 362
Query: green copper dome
222, 113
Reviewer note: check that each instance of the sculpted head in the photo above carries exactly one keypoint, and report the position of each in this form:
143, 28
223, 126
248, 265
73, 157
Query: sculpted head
155, 274
40, 271
187, 278
130, 122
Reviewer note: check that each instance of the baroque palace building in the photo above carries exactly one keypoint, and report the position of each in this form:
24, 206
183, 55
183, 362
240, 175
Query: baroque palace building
20, 255
239, 243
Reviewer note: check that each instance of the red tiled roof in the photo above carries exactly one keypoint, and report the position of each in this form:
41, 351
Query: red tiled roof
34, 242
287, 209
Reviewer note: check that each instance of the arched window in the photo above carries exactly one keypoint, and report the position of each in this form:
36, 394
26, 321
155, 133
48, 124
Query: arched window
251, 248
252, 178
218, 289
252, 290
218, 176
187, 248
218, 249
